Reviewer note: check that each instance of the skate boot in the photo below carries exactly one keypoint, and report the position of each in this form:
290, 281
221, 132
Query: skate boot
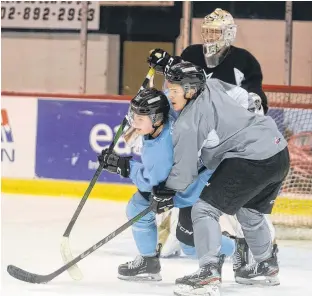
260, 273
142, 268
203, 282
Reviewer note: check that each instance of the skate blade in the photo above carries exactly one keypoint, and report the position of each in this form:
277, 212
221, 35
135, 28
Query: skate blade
186, 290
261, 281
147, 277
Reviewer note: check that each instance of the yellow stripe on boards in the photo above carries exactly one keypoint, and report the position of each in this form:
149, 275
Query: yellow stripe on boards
123, 192
57, 188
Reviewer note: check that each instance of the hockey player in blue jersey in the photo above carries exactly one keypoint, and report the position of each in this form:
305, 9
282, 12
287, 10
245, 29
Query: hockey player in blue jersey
149, 117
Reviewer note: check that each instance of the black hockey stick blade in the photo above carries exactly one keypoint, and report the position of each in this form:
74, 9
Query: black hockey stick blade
33, 278
26, 276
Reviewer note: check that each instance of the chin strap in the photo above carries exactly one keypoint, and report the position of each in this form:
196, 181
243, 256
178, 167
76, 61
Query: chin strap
155, 129
198, 92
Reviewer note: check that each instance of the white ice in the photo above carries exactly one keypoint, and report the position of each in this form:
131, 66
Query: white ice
32, 228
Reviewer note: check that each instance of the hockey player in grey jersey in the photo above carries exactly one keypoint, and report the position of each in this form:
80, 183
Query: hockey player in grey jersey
250, 158
219, 59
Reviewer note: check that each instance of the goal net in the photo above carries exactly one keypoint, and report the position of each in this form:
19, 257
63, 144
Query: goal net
291, 108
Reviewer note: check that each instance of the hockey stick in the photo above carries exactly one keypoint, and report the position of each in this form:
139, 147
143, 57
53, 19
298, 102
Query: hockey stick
29, 277
66, 253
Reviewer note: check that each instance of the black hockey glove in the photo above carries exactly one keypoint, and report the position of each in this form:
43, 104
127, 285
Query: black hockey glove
114, 163
162, 60
162, 199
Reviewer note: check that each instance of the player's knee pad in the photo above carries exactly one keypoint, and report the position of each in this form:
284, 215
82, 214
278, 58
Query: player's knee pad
184, 230
250, 219
202, 209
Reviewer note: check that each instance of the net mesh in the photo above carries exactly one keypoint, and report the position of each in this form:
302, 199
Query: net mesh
291, 108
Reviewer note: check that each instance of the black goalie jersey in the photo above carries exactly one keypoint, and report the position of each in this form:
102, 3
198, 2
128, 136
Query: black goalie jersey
239, 67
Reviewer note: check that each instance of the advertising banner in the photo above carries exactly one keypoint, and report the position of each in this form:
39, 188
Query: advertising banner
18, 134
70, 135
48, 14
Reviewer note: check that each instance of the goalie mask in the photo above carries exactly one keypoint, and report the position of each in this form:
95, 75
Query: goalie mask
218, 32
148, 111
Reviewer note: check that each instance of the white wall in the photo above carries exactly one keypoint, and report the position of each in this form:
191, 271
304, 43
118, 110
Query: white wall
49, 62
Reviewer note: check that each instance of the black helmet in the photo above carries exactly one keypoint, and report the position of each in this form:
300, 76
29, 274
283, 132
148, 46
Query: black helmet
151, 102
186, 74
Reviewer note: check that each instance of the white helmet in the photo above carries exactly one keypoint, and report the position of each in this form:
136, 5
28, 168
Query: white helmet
218, 31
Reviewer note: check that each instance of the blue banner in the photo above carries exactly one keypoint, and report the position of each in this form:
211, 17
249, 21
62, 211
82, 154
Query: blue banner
70, 135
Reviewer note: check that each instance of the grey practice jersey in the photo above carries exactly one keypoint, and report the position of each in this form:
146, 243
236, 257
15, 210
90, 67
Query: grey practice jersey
215, 127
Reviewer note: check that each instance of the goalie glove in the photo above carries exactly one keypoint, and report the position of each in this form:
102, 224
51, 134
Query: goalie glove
258, 103
114, 163
162, 199
161, 60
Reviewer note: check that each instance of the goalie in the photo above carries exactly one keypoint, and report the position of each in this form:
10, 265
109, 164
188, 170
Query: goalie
219, 58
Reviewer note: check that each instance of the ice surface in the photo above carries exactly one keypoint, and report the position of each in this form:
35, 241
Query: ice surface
32, 228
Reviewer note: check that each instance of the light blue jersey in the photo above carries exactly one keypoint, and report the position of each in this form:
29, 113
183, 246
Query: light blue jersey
157, 161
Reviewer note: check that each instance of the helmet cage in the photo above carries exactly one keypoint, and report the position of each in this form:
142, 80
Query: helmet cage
154, 112
218, 31
188, 76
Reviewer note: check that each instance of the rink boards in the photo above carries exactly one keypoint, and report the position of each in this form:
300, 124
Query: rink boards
50, 146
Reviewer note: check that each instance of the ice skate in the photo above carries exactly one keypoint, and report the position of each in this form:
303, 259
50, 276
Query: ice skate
240, 257
203, 282
140, 269
260, 273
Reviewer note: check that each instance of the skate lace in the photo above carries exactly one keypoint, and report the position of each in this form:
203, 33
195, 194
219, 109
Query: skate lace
252, 267
136, 262
196, 273
237, 260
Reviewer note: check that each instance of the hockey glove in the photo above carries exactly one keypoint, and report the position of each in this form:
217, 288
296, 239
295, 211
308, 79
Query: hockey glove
162, 60
114, 163
162, 199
